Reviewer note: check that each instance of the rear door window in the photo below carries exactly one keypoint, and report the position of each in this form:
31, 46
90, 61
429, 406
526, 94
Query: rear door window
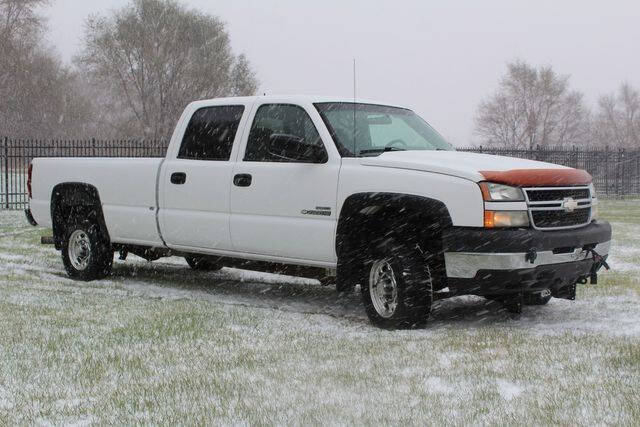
211, 132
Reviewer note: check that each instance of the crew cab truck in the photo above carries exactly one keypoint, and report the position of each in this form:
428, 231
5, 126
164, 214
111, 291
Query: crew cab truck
356, 192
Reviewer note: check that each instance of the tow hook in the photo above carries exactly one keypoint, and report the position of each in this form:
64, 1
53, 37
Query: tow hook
531, 256
598, 263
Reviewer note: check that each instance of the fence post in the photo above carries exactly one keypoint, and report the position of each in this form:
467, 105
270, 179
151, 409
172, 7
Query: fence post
618, 174
6, 171
637, 171
623, 175
606, 169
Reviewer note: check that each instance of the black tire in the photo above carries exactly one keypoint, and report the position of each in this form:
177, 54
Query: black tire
202, 263
513, 303
413, 284
95, 260
544, 301
537, 298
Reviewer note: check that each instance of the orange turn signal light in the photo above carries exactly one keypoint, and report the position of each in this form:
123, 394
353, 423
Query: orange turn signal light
484, 188
489, 219
501, 219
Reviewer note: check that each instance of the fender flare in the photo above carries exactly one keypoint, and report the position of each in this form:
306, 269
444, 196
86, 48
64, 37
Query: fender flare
73, 194
368, 203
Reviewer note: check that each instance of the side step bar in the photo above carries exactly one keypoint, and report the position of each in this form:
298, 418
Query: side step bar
46, 240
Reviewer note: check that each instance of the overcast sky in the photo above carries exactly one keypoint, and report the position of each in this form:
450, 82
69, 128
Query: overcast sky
438, 57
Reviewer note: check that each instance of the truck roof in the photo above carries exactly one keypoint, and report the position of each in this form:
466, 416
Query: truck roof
297, 99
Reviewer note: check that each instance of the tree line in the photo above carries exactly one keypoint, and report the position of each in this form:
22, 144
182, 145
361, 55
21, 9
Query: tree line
139, 66
536, 107
137, 69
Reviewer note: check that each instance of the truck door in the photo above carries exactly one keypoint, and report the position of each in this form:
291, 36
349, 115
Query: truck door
194, 209
280, 206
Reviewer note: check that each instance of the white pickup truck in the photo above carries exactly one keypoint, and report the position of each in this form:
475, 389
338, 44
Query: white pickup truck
345, 191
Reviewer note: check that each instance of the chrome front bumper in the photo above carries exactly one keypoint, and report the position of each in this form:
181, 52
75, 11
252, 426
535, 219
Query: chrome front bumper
465, 265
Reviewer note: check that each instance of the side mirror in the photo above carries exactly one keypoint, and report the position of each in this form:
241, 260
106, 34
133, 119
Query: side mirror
293, 148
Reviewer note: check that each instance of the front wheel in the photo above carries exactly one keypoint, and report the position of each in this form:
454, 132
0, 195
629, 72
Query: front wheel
86, 252
397, 287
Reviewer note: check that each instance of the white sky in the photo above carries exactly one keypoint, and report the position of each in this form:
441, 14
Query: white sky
438, 57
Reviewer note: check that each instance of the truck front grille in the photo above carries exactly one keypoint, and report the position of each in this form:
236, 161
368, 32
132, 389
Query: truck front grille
555, 195
558, 208
556, 219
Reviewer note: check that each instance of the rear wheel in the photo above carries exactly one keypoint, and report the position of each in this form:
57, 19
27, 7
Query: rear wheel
202, 263
396, 287
86, 251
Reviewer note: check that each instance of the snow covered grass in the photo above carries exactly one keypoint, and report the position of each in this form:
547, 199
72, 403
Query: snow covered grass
157, 343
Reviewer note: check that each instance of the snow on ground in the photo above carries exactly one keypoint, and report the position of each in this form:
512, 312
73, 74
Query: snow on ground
156, 342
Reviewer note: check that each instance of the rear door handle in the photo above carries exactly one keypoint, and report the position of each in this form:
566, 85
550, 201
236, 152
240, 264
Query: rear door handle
242, 180
178, 178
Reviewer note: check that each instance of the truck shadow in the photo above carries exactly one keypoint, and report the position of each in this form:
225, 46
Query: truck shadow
299, 295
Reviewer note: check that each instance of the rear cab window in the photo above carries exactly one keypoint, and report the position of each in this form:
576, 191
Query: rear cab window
211, 132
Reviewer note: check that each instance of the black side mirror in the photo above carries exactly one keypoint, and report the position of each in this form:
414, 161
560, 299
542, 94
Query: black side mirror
293, 148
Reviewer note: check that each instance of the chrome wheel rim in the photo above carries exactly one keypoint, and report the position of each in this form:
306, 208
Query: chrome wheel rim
79, 250
383, 288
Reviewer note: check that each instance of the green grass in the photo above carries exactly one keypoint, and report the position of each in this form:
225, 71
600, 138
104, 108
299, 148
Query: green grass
157, 343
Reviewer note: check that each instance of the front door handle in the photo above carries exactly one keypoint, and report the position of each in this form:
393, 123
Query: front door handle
178, 178
242, 180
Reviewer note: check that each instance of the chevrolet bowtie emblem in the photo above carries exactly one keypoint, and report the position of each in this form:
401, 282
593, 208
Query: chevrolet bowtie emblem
569, 204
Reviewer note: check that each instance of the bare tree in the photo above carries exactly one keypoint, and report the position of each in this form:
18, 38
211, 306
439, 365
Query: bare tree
20, 32
154, 56
40, 96
617, 122
243, 78
532, 106
20, 25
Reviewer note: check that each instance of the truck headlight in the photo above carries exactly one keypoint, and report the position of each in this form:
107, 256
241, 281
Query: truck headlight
492, 192
504, 219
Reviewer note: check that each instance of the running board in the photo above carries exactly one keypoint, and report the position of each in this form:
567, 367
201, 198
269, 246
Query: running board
443, 293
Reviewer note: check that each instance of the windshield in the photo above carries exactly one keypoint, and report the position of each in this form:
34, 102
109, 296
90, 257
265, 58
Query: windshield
377, 129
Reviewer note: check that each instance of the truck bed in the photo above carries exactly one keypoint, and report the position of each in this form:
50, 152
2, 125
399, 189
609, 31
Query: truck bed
126, 186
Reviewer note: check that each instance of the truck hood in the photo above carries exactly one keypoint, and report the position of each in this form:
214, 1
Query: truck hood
481, 167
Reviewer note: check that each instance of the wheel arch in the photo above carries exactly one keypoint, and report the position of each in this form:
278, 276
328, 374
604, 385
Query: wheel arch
74, 198
411, 218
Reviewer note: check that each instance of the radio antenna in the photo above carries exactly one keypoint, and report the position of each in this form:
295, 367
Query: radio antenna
354, 107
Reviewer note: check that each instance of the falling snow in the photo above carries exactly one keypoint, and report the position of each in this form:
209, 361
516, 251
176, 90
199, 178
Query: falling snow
157, 342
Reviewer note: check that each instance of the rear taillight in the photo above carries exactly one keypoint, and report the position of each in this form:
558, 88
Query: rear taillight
29, 179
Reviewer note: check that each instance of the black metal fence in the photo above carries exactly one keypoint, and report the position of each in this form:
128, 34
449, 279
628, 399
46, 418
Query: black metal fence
16, 154
616, 172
